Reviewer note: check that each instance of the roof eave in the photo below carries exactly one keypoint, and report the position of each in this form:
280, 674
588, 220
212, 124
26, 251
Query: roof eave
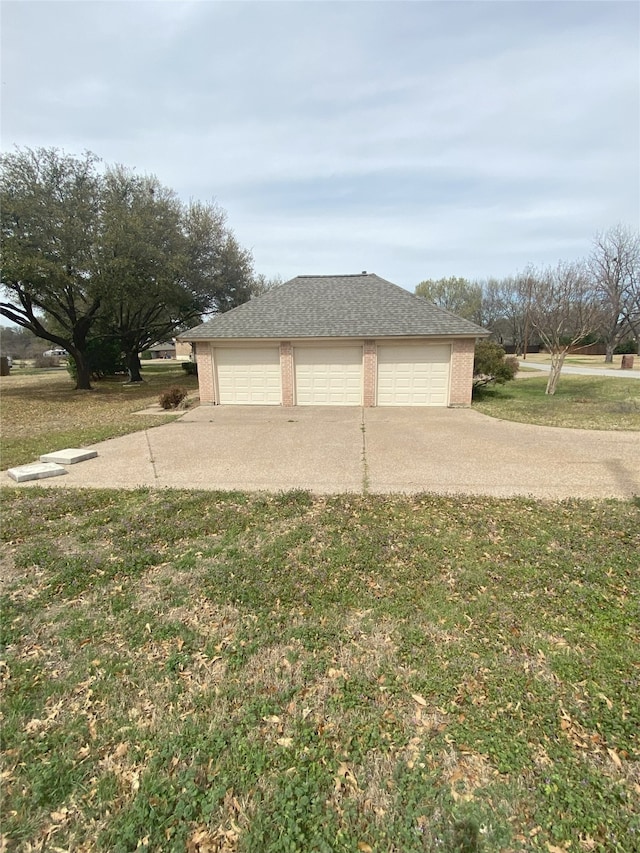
481, 333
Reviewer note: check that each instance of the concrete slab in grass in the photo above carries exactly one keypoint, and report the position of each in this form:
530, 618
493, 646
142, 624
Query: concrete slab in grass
36, 471
69, 456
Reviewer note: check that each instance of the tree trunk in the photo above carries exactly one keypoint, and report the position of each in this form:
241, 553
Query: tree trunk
557, 360
83, 372
133, 366
608, 359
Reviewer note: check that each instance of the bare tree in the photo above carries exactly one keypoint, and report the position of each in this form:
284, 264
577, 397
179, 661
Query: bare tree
631, 305
493, 307
524, 294
563, 310
504, 310
614, 264
633, 312
262, 283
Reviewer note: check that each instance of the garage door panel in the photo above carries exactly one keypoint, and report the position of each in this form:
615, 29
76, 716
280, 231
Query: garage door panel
328, 376
249, 376
420, 355
413, 375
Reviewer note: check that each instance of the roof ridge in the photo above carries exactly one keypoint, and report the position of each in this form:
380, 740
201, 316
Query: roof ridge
336, 275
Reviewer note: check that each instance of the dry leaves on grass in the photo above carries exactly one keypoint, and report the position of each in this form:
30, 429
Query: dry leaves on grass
225, 838
588, 742
465, 771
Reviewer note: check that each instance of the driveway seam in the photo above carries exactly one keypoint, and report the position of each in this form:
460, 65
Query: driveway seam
151, 457
365, 463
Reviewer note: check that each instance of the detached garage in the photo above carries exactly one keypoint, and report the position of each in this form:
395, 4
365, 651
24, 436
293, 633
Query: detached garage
353, 340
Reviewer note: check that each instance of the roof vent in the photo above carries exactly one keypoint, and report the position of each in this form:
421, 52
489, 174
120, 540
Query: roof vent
364, 272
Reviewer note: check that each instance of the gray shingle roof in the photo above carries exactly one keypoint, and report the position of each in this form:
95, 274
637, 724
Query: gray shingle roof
329, 306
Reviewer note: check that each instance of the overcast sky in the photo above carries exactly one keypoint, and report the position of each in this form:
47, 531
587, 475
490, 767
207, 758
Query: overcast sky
411, 139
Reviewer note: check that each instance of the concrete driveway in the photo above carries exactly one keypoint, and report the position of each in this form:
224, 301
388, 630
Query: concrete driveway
342, 449
612, 372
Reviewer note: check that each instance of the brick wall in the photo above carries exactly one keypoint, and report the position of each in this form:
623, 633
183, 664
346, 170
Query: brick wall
461, 372
286, 372
370, 369
204, 360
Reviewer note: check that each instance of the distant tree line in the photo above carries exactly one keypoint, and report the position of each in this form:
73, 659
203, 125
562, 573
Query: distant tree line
98, 257
20, 343
571, 304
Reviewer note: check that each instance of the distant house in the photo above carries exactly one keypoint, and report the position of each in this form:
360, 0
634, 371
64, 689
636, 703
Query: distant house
180, 350
349, 340
163, 350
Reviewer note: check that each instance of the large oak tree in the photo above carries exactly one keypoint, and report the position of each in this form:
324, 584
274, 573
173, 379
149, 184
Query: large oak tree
49, 213
92, 253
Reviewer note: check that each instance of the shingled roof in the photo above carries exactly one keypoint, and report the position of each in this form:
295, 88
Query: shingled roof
335, 306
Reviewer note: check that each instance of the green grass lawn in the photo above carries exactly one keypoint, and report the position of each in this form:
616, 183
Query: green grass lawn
187, 671
41, 411
584, 402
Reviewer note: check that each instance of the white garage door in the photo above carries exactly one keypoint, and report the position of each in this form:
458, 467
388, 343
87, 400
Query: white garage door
413, 375
328, 376
249, 376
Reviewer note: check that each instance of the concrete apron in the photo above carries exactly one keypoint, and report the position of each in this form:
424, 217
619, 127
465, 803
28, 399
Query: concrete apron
343, 449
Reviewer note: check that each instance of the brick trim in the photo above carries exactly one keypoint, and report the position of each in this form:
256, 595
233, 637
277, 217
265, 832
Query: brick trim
286, 373
461, 382
369, 370
204, 360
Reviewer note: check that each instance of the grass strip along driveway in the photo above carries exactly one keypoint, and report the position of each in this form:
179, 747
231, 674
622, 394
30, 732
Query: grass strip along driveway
231, 672
582, 402
41, 411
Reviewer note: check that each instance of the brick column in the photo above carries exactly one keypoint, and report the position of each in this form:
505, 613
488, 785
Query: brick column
462, 351
286, 372
204, 360
370, 369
